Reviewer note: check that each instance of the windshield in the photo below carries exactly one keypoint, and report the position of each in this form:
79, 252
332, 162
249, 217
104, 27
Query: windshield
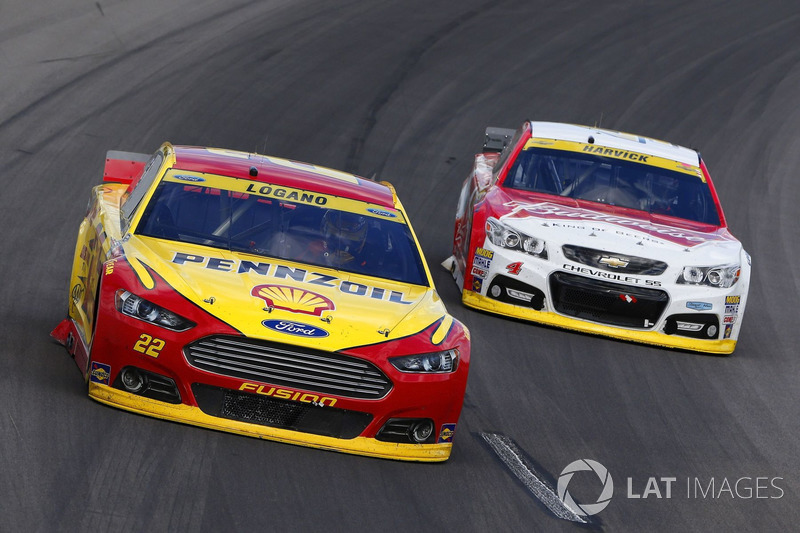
350, 235
613, 182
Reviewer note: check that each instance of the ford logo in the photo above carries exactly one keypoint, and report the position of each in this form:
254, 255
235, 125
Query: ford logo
381, 213
294, 328
184, 177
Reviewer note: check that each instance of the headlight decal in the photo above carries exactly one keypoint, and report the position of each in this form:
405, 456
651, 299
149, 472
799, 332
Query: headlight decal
501, 235
722, 276
443, 362
136, 307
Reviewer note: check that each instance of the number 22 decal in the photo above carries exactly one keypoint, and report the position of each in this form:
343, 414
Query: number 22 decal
148, 345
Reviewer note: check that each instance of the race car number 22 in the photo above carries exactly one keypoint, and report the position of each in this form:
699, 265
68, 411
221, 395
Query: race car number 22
148, 345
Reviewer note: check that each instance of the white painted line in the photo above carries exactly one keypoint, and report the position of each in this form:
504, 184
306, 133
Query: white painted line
508, 452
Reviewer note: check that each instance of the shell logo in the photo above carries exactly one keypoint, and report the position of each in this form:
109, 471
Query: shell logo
293, 299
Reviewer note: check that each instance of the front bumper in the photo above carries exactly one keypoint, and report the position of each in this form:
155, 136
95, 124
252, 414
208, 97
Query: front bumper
563, 293
189, 414
657, 338
143, 368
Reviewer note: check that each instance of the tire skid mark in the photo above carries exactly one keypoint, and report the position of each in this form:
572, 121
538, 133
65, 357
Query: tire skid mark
508, 452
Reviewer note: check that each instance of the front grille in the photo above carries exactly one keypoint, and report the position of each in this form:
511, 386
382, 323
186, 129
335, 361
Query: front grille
695, 325
513, 291
605, 302
317, 419
614, 262
289, 366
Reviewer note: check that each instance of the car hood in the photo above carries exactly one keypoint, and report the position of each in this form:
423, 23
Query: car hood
621, 230
287, 302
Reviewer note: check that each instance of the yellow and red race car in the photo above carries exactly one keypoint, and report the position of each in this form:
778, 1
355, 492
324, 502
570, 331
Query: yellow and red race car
265, 297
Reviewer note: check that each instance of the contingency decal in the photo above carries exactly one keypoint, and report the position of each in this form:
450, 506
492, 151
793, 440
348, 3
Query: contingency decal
481, 262
732, 305
293, 299
477, 284
447, 433
731, 312
100, 373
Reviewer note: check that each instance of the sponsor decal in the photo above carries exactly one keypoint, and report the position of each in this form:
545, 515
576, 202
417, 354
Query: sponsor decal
628, 298
477, 284
728, 330
514, 268
298, 329
483, 252
184, 177
479, 272
100, 373
611, 275
732, 309
699, 306
283, 193
381, 213
613, 262
447, 433
300, 275
77, 293
733, 300
618, 154
544, 209
110, 266
293, 299
729, 319
481, 262
288, 394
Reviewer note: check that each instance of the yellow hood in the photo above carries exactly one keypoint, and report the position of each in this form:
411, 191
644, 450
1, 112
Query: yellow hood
284, 301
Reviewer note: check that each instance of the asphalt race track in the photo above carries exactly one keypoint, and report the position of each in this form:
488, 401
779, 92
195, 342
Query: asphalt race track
404, 90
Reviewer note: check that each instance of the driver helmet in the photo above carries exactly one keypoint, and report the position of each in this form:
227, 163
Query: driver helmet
344, 232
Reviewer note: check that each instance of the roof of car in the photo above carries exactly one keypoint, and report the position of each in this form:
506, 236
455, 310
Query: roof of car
615, 139
278, 171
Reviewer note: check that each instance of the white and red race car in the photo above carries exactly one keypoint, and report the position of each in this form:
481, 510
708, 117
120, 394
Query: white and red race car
601, 232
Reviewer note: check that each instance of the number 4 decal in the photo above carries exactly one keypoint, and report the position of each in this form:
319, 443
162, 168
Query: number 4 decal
148, 345
514, 268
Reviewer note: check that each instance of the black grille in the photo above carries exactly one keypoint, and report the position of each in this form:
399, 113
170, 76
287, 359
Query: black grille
515, 292
289, 366
614, 262
609, 303
696, 325
279, 413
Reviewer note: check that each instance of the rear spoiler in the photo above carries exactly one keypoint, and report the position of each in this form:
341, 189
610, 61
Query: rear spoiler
497, 139
124, 167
